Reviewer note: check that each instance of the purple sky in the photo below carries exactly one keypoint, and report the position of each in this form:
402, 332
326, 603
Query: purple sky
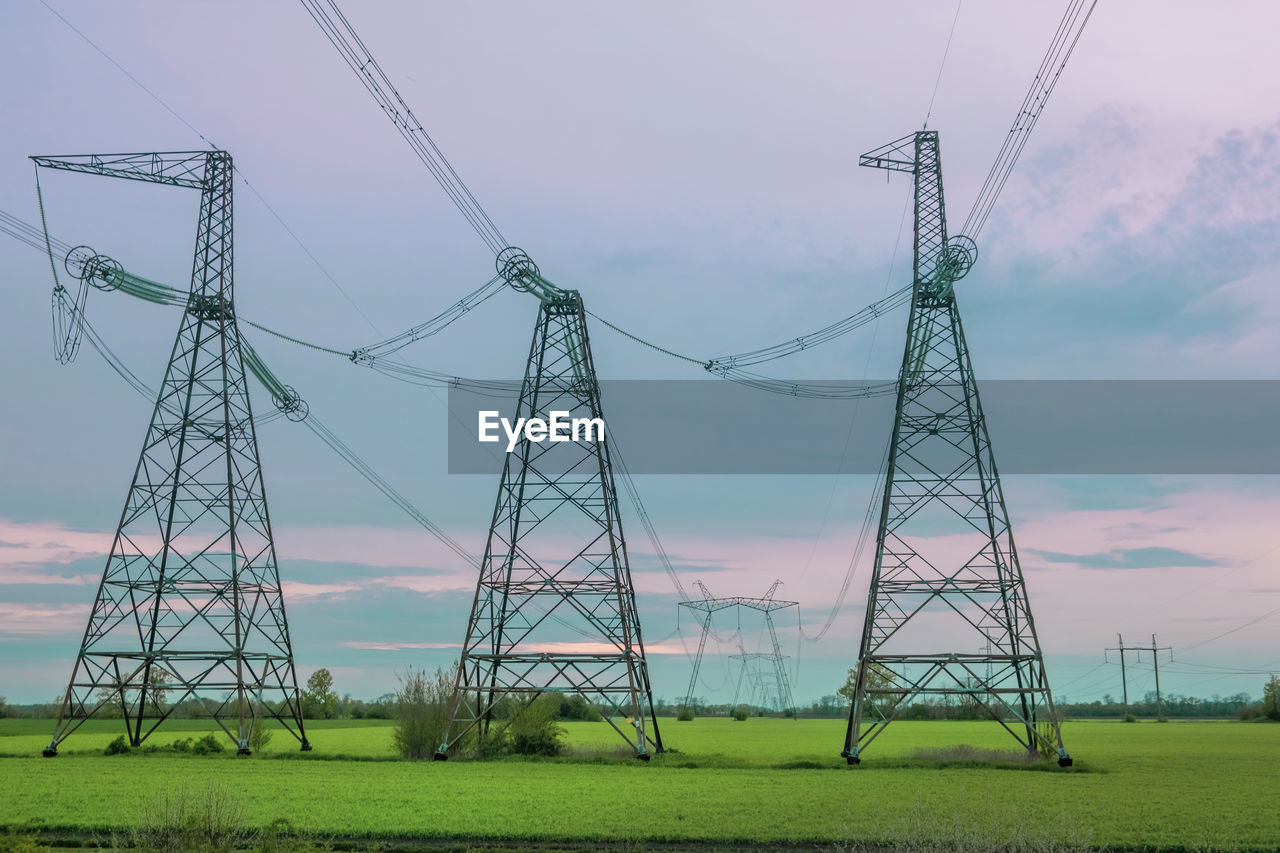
691, 168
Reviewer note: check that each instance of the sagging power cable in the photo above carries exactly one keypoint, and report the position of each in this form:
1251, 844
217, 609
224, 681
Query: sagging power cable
643, 514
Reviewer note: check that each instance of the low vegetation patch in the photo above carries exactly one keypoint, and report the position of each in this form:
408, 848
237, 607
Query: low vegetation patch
210, 744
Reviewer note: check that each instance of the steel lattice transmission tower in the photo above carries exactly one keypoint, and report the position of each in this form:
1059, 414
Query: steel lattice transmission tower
554, 610
709, 605
190, 605
946, 565
760, 670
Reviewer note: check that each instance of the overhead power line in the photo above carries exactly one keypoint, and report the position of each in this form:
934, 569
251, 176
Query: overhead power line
342, 36
1046, 78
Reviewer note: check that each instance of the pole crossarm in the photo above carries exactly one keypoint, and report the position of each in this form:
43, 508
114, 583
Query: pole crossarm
175, 168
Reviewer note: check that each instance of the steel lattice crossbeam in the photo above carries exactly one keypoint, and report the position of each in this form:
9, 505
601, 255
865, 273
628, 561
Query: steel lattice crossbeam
190, 606
945, 556
554, 610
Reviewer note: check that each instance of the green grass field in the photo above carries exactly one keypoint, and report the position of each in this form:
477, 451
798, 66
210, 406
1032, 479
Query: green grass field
1188, 786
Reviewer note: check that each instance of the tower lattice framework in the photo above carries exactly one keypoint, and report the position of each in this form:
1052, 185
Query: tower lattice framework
947, 613
555, 610
190, 606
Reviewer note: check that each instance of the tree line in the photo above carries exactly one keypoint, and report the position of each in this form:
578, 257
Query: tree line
321, 701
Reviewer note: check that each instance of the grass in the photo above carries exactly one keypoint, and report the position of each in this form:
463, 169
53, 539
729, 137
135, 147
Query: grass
1184, 786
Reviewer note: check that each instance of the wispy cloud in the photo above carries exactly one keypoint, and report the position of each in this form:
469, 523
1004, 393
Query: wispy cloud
25, 545
298, 591
1132, 558
42, 618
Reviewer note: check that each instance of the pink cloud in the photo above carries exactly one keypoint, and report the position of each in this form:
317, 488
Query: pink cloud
25, 544
366, 545
30, 575
451, 581
297, 590
42, 618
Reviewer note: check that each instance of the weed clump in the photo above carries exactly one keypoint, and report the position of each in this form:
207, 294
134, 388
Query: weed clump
211, 820
422, 712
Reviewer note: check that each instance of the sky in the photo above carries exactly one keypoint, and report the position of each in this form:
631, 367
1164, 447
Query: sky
691, 169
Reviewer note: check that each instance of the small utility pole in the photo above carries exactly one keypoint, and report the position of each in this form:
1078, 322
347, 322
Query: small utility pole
1155, 660
1124, 682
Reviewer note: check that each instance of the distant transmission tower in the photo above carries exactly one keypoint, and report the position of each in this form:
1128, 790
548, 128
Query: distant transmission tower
190, 606
761, 669
945, 561
709, 605
554, 609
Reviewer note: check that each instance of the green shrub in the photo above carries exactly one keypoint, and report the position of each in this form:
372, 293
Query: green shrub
685, 715
207, 745
741, 712
546, 743
12, 842
533, 730
119, 746
1130, 718
422, 711
260, 737
576, 707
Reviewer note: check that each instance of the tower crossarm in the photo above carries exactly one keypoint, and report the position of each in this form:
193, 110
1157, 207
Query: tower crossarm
707, 605
897, 156
714, 604
939, 261
176, 168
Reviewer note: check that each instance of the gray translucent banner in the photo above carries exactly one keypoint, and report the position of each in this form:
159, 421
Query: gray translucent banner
710, 426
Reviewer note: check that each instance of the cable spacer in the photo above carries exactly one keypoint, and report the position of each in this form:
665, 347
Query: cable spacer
517, 269
958, 257
87, 265
294, 407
